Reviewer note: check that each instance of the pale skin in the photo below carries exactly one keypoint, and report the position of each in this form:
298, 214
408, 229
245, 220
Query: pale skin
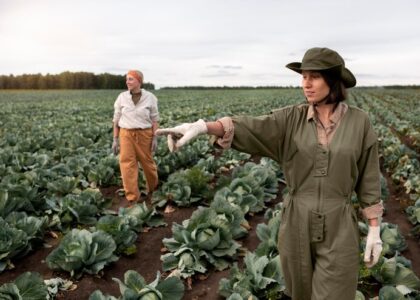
316, 90
134, 86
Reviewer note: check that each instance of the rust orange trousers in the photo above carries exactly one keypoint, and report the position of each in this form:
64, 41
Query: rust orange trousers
135, 146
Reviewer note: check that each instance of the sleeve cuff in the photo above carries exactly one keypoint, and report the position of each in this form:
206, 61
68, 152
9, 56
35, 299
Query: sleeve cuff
225, 141
374, 211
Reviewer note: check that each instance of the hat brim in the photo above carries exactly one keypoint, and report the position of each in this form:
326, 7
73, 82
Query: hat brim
346, 76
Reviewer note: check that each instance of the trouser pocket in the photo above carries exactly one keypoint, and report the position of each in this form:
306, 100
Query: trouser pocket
317, 225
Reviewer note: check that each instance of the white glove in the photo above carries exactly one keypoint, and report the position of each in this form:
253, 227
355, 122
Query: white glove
181, 134
154, 144
115, 146
373, 246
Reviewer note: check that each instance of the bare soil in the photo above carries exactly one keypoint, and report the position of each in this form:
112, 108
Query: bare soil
395, 213
147, 259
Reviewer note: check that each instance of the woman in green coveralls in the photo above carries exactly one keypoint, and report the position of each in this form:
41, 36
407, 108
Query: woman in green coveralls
327, 150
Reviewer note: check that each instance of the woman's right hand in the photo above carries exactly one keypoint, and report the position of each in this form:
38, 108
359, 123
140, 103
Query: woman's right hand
115, 146
182, 134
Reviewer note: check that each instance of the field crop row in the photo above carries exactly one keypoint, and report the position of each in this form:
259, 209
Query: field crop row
55, 155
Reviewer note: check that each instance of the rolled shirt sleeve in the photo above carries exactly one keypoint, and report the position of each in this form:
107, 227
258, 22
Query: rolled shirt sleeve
225, 141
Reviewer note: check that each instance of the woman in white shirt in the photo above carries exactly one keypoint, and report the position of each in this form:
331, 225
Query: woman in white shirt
135, 122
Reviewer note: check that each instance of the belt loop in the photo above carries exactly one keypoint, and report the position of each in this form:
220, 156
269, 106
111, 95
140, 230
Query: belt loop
348, 197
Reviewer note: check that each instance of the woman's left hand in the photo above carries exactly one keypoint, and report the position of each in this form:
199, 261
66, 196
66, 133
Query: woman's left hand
154, 144
373, 246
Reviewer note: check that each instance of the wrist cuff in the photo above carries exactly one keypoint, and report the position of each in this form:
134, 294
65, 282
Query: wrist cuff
374, 211
226, 141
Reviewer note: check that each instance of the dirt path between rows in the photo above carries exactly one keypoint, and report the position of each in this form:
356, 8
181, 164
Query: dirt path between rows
147, 259
395, 214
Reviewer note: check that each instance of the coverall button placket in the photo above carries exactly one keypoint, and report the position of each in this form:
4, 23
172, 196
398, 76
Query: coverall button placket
317, 219
321, 161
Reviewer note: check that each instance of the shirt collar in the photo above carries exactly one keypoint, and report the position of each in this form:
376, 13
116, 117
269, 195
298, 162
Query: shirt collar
135, 94
337, 114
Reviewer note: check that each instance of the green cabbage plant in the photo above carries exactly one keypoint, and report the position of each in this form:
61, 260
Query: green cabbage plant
120, 230
27, 286
261, 278
241, 198
394, 271
13, 243
140, 215
204, 239
177, 189
81, 251
232, 215
268, 235
392, 239
135, 287
34, 227
414, 213
8, 203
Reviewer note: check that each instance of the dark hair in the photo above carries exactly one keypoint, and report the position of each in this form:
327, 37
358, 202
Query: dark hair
338, 91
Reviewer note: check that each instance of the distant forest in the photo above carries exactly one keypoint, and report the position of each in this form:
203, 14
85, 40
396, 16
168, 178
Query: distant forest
225, 87
66, 80
87, 80
276, 87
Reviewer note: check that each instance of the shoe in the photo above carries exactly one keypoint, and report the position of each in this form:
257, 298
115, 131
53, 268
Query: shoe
143, 193
128, 203
146, 198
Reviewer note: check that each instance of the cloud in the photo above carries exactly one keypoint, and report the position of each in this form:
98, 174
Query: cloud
225, 67
220, 73
201, 42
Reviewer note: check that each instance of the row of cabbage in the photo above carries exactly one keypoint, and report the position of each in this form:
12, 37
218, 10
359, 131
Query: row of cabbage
399, 109
400, 161
389, 233
210, 237
55, 163
51, 165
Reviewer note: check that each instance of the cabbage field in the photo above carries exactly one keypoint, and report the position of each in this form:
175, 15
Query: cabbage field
210, 231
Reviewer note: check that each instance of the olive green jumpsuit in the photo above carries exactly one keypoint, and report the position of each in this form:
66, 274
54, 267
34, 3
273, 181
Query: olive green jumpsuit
318, 238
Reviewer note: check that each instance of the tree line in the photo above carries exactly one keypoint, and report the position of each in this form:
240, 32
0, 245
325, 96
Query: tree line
242, 87
66, 80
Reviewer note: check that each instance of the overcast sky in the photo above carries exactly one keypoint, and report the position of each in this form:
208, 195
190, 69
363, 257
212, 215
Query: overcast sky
230, 42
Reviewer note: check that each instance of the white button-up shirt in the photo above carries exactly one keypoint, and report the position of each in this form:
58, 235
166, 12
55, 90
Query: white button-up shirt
142, 115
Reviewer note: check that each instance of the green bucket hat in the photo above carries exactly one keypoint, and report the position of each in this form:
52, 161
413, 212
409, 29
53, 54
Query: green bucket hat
321, 59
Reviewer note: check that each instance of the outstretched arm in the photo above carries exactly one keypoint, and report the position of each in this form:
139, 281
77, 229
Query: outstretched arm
215, 128
182, 134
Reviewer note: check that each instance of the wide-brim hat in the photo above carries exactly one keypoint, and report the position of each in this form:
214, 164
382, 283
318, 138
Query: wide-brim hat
324, 59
